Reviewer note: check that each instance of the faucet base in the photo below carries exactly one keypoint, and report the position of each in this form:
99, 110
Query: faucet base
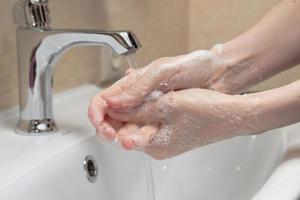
36, 127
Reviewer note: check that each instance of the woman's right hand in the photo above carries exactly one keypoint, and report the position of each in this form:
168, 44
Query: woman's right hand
199, 69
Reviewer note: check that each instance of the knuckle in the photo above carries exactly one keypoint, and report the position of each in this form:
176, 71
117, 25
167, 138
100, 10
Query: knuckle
163, 65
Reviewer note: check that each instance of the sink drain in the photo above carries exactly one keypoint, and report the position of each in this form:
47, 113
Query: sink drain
90, 168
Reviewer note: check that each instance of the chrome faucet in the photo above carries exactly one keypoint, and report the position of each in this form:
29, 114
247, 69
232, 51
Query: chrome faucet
39, 47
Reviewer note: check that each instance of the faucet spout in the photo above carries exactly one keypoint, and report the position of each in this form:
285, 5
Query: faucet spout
38, 52
39, 47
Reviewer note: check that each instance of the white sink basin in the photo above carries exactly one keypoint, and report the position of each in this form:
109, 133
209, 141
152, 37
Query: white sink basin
51, 167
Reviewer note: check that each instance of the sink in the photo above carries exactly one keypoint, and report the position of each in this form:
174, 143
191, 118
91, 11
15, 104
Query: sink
232, 169
52, 167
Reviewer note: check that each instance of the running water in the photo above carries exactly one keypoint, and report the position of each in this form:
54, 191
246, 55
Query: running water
132, 63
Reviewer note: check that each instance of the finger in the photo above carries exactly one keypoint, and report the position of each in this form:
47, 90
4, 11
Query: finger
96, 114
124, 82
145, 135
124, 135
115, 87
129, 71
126, 130
127, 143
134, 93
146, 113
156, 75
115, 124
96, 111
107, 131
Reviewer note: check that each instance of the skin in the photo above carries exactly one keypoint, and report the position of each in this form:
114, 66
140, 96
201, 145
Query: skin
271, 46
189, 115
192, 117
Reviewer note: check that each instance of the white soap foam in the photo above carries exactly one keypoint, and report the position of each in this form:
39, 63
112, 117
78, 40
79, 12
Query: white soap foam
154, 95
163, 137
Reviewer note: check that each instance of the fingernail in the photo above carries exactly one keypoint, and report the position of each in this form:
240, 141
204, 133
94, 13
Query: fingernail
127, 143
110, 136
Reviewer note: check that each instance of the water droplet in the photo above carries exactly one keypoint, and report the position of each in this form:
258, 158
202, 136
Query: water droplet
164, 167
164, 84
132, 61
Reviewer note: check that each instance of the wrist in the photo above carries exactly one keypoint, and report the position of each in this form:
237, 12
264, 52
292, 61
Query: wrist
239, 69
279, 107
249, 116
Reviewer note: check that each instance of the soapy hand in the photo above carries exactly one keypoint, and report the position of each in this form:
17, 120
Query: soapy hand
167, 125
199, 69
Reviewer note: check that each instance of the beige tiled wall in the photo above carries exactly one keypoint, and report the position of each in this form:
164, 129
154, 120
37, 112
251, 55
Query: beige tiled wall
215, 21
8, 78
158, 24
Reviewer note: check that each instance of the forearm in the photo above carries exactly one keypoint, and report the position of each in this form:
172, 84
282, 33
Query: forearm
269, 47
278, 107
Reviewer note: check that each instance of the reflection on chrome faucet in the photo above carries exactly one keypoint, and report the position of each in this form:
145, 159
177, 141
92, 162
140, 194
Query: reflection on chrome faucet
39, 48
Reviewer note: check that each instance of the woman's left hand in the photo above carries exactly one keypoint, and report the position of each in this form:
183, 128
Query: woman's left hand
181, 121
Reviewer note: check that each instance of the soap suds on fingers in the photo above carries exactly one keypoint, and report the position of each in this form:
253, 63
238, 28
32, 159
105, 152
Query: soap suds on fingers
154, 95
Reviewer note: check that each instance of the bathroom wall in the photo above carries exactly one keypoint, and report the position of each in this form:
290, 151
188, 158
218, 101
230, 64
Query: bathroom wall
8, 78
165, 28
215, 21
160, 25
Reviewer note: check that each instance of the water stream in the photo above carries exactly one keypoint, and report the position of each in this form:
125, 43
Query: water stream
132, 63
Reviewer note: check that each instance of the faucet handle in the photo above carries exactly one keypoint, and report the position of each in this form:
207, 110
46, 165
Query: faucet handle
32, 14
38, 1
